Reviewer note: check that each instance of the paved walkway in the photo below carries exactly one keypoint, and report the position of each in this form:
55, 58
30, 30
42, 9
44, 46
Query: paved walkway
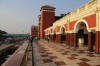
54, 54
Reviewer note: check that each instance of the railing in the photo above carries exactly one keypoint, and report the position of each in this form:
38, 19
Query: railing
19, 58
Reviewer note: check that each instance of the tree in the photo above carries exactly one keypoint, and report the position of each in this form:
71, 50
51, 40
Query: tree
1, 33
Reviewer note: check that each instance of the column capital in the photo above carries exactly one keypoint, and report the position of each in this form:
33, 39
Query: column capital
71, 31
89, 30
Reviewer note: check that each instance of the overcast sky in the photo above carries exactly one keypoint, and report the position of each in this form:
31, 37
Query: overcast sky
17, 16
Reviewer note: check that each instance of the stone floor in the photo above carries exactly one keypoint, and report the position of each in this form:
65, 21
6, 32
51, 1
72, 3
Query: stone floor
53, 54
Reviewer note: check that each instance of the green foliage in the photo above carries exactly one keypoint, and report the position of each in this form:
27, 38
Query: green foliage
1, 33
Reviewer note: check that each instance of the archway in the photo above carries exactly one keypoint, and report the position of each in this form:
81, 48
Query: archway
63, 35
82, 33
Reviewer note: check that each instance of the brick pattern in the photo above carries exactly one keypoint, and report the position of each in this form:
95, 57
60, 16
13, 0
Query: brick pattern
54, 54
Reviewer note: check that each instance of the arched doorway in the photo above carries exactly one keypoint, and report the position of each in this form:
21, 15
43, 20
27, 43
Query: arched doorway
82, 34
63, 35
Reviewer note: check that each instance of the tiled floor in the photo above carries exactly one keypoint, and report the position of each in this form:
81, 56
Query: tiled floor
54, 54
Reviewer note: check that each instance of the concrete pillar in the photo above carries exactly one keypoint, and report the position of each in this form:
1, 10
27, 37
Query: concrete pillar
56, 38
90, 41
50, 37
71, 37
75, 40
59, 38
97, 47
68, 39
53, 38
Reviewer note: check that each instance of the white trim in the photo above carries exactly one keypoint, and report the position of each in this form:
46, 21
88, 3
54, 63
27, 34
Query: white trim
89, 30
62, 27
54, 30
47, 11
71, 31
94, 28
78, 23
66, 31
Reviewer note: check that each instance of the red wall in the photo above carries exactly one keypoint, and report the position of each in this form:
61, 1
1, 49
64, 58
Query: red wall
58, 28
72, 24
91, 20
47, 19
66, 26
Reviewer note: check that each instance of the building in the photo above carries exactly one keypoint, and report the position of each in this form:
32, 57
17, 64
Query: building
80, 28
46, 19
34, 31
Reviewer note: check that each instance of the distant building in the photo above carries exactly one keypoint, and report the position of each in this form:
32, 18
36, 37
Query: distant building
34, 31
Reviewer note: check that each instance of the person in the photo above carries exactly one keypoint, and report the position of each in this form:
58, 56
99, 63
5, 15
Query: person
48, 39
30, 40
36, 38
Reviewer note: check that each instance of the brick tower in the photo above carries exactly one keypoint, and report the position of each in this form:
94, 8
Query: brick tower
34, 31
46, 19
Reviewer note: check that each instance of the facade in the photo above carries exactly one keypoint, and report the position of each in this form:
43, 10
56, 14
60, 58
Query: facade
46, 19
34, 31
79, 28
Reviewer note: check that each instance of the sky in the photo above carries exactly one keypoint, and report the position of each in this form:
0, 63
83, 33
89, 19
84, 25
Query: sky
17, 16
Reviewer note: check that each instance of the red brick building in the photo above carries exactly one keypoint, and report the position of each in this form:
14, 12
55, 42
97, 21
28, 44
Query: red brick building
80, 28
46, 19
34, 31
